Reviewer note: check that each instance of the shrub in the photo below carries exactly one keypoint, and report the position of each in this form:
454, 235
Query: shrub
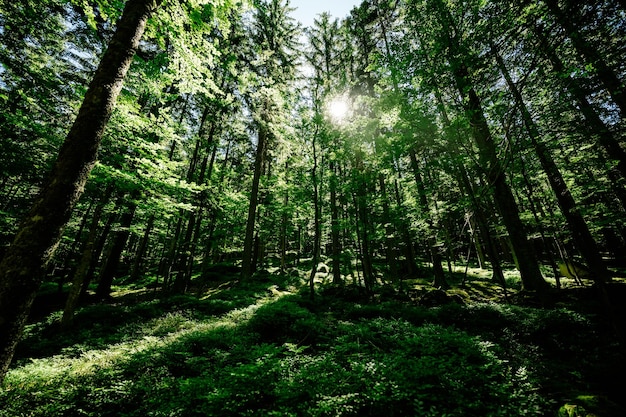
284, 321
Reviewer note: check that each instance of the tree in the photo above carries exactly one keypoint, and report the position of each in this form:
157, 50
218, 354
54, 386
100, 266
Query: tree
43, 74
324, 57
591, 55
459, 62
39, 233
275, 35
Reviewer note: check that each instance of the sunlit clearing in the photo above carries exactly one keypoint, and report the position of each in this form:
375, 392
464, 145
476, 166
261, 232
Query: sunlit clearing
338, 109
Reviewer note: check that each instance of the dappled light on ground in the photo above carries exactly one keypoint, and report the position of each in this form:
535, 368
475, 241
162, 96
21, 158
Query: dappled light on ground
263, 348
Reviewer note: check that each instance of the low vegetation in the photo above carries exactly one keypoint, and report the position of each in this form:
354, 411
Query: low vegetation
262, 347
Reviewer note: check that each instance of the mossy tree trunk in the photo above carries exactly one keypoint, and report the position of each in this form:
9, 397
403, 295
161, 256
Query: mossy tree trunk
22, 266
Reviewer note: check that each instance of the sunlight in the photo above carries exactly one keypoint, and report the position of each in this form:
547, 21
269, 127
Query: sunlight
338, 109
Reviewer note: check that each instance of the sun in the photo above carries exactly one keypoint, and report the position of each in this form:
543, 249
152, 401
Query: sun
338, 109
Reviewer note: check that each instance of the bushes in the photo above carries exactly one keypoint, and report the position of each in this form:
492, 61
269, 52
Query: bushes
286, 321
286, 356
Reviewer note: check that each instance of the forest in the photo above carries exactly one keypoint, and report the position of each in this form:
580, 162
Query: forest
207, 209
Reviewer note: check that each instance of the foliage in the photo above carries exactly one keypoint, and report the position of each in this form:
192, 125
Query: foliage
391, 192
255, 350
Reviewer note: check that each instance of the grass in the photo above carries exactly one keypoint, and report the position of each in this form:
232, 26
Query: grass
263, 348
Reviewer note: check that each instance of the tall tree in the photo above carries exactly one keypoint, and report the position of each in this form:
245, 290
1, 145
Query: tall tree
461, 63
577, 224
38, 235
275, 36
324, 57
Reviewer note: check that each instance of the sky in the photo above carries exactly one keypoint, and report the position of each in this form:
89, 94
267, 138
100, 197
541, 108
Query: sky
307, 10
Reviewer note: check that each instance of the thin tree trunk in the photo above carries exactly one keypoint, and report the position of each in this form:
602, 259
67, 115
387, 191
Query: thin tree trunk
317, 221
488, 158
168, 260
97, 251
577, 225
334, 225
74, 251
180, 282
283, 223
479, 217
247, 266
193, 248
409, 254
119, 243
435, 257
141, 250
390, 243
480, 253
83, 266
39, 234
527, 260
361, 207
580, 231
598, 129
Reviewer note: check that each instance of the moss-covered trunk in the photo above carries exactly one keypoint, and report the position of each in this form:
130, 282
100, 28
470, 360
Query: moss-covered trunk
39, 234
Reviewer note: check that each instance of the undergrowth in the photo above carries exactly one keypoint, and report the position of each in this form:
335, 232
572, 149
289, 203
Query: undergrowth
253, 350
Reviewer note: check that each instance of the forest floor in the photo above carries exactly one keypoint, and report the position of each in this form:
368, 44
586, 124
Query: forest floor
264, 348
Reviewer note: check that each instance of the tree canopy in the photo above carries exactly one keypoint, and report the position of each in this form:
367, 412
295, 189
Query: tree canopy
160, 144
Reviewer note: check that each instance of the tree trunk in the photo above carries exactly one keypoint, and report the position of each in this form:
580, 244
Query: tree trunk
165, 267
97, 252
409, 254
184, 254
83, 266
478, 215
76, 247
597, 128
283, 223
317, 221
141, 250
247, 266
580, 231
433, 251
39, 234
363, 219
577, 225
528, 265
119, 243
390, 243
480, 253
334, 225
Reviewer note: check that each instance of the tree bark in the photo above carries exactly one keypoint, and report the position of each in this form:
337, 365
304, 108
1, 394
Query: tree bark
369, 278
390, 241
335, 226
39, 233
433, 251
141, 250
507, 207
83, 266
317, 221
247, 266
409, 254
119, 243
577, 225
